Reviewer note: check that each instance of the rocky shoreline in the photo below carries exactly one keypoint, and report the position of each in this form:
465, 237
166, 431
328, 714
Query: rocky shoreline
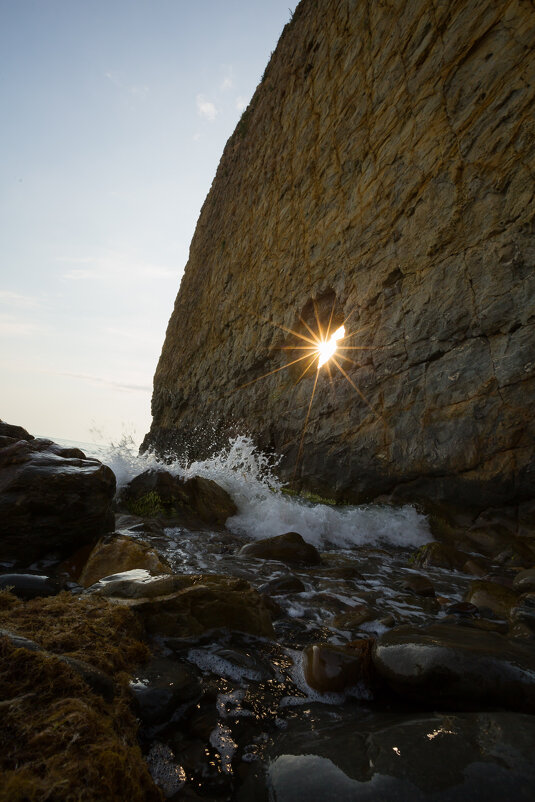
277, 672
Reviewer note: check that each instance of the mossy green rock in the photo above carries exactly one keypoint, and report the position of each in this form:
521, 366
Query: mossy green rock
159, 493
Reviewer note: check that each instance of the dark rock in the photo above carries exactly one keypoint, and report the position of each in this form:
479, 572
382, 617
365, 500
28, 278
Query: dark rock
439, 555
524, 581
28, 586
186, 605
282, 585
161, 686
50, 502
491, 596
119, 554
523, 612
463, 609
459, 666
429, 757
289, 548
138, 583
14, 432
203, 722
329, 668
354, 618
474, 567
417, 584
154, 493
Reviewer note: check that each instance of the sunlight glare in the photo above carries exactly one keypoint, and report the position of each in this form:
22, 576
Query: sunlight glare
327, 348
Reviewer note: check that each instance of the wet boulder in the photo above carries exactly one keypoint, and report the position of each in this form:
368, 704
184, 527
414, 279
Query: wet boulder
289, 548
158, 493
282, 585
52, 500
524, 581
28, 586
438, 555
138, 583
118, 554
354, 618
187, 605
451, 757
523, 612
491, 596
329, 668
458, 666
417, 584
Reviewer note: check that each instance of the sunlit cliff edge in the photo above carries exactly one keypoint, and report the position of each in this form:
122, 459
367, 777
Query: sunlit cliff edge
384, 173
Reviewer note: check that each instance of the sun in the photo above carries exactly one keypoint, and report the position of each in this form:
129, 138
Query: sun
327, 348
321, 348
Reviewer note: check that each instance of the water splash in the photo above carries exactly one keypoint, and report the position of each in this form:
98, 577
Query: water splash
249, 476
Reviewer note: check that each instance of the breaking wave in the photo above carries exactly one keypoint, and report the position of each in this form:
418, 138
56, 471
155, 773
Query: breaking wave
264, 509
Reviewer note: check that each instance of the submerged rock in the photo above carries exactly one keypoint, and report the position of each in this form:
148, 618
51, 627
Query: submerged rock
52, 500
451, 757
157, 492
289, 548
458, 666
119, 554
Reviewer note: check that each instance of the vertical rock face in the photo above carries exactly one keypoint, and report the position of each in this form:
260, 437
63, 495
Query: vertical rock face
383, 175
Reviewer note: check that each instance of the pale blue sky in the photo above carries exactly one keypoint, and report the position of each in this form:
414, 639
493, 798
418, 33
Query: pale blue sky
115, 114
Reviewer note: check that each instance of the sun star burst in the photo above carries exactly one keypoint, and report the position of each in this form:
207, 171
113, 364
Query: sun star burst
320, 348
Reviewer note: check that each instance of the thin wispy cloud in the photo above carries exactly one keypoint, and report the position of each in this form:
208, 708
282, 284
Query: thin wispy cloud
114, 266
18, 301
241, 103
13, 326
205, 108
126, 386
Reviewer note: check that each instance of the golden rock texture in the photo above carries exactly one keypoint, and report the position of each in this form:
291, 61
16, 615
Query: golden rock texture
384, 169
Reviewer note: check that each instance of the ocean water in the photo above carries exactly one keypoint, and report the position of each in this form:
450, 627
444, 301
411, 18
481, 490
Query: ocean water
264, 510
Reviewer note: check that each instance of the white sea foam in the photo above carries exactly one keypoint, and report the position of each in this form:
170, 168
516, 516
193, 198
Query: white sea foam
249, 476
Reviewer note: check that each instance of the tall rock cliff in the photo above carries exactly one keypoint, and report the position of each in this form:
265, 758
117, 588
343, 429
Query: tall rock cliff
382, 174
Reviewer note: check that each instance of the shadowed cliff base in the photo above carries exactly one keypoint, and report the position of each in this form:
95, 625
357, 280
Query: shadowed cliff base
386, 162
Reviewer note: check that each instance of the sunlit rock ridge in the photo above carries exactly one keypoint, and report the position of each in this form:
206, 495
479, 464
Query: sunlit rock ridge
385, 171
